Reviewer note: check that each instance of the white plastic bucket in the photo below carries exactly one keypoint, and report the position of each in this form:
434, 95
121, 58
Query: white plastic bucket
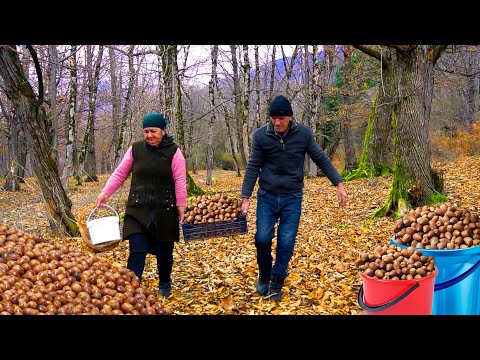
103, 229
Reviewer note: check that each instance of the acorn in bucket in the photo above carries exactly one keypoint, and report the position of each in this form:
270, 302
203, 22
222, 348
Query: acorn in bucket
396, 263
445, 227
396, 281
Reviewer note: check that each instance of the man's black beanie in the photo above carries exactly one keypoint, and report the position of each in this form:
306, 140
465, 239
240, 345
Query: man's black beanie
280, 106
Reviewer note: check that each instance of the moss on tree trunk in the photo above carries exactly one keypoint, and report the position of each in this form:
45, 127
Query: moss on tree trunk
365, 169
192, 188
406, 193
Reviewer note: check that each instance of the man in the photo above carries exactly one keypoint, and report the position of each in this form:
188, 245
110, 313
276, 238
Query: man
277, 160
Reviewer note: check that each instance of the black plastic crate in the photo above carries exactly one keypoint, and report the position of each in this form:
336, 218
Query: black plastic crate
215, 229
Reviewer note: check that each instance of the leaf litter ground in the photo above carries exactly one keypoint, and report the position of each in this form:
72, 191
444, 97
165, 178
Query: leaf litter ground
217, 276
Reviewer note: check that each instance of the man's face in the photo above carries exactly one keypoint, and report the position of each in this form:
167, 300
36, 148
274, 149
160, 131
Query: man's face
280, 123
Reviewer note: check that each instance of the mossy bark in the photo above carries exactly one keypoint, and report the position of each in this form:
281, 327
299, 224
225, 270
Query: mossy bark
414, 183
192, 188
377, 150
366, 168
32, 119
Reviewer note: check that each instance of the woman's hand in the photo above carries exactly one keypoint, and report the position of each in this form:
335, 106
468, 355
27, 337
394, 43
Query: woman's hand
181, 214
101, 199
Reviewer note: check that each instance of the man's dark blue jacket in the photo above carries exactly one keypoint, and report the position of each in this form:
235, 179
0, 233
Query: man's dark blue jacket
279, 162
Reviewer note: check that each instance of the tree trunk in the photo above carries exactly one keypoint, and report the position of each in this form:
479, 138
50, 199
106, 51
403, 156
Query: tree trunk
116, 100
180, 120
315, 104
88, 155
126, 113
52, 92
472, 93
328, 64
257, 90
32, 119
415, 92
191, 164
22, 155
380, 149
288, 70
230, 133
211, 92
238, 106
70, 166
414, 181
192, 188
377, 150
271, 85
168, 59
331, 128
231, 142
350, 157
167, 54
247, 126
334, 140
11, 180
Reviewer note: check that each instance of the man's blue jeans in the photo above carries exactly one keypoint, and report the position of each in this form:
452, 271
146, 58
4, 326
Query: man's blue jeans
287, 208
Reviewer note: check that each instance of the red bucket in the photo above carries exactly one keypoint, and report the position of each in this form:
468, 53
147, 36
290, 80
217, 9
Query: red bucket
397, 297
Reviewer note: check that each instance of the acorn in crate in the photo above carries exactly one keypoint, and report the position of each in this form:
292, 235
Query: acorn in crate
211, 216
212, 208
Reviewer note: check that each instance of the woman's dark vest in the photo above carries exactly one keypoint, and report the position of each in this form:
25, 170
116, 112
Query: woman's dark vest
151, 205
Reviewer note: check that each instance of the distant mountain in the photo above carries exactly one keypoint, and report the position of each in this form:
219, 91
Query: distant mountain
281, 66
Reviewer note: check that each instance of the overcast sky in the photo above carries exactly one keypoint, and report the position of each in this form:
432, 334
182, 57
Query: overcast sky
200, 54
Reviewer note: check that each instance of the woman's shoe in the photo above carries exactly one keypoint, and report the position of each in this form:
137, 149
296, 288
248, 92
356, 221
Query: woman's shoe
165, 289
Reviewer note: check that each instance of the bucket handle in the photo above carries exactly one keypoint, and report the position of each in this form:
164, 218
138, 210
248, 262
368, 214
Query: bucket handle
455, 280
95, 208
376, 308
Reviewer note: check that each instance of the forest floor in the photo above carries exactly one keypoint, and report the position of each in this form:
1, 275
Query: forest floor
218, 275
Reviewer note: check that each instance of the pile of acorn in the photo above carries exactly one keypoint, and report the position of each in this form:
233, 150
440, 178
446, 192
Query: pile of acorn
392, 262
442, 227
38, 278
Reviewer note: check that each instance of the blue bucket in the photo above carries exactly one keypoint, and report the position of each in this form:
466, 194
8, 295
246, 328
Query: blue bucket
456, 290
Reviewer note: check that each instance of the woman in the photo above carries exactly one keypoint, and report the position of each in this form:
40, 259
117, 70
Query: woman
156, 201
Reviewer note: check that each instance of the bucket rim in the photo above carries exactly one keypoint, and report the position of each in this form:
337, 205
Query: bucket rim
390, 281
473, 249
96, 207
94, 221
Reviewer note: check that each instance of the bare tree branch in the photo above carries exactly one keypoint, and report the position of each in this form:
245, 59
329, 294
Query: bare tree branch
38, 69
436, 51
369, 51
403, 47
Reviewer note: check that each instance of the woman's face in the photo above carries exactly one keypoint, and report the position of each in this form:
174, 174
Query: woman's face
153, 135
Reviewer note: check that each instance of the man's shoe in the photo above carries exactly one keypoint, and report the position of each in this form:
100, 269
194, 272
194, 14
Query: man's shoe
165, 289
262, 284
275, 289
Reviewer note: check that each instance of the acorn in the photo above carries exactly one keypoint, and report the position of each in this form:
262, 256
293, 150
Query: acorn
39, 278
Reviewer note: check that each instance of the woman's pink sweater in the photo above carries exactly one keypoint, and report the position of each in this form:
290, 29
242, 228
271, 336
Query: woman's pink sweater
123, 170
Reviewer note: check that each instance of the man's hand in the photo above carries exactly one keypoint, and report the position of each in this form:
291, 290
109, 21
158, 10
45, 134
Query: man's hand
341, 194
245, 205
